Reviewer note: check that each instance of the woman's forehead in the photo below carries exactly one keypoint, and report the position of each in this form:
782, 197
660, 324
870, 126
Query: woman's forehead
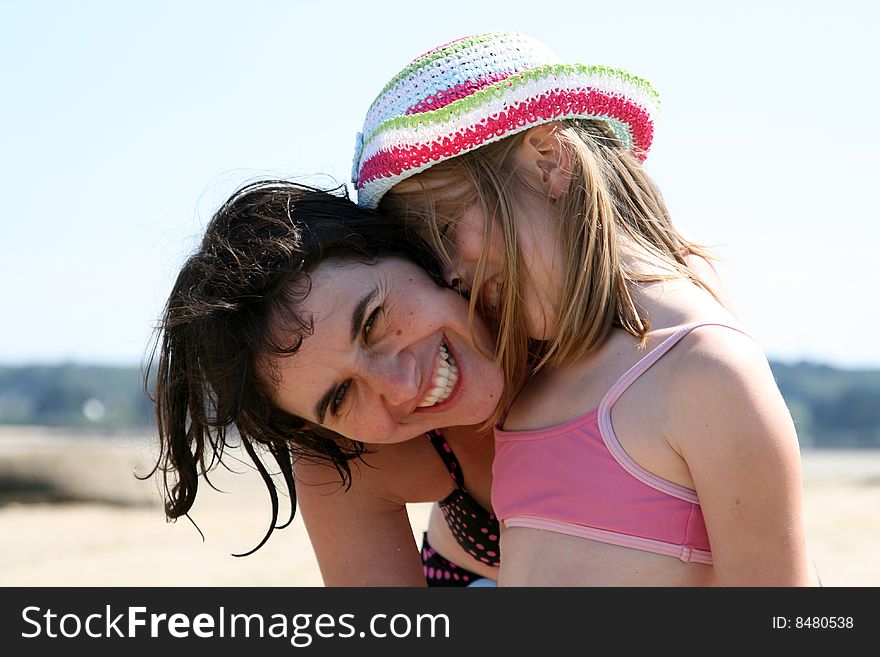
335, 283
338, 285
323, 301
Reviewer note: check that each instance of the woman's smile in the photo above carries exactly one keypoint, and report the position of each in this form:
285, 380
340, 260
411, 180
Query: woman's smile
442, 378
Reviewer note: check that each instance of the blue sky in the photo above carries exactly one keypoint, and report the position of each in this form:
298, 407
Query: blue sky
125, 124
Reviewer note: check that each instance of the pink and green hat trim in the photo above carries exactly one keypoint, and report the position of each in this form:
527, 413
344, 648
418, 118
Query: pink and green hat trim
481, 89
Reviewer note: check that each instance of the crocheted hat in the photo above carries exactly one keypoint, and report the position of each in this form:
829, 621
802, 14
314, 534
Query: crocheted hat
483, 88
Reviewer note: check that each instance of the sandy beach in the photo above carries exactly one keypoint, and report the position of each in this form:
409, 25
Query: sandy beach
73, 514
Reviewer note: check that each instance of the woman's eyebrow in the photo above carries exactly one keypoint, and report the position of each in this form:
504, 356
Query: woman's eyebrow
357, 321
360, 309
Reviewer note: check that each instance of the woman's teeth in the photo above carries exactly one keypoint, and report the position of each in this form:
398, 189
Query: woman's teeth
445, 378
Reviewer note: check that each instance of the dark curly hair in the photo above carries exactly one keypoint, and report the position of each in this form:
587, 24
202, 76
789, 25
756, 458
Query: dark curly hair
250, 273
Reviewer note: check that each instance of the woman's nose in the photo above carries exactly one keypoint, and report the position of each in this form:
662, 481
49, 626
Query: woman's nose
395, 378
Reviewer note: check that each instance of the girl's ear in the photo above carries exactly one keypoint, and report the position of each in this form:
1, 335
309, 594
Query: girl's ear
545, 159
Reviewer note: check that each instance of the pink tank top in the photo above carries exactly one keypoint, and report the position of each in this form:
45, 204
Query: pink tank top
575, 478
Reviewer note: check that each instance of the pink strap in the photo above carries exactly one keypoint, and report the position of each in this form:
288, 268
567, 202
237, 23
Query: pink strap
614, 393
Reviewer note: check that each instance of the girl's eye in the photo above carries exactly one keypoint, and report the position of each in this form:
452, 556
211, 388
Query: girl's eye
339, 397
371, 321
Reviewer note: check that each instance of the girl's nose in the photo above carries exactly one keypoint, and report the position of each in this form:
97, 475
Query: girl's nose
453, 278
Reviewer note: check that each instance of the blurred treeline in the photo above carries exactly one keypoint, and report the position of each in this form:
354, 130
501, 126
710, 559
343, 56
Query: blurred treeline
831, 407
73, 395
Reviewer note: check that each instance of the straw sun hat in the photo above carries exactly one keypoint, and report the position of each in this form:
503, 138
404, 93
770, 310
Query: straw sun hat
483, 88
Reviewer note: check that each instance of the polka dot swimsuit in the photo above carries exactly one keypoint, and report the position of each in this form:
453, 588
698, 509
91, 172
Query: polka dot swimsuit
474, 528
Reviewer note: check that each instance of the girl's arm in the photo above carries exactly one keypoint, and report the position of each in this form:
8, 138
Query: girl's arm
732, 427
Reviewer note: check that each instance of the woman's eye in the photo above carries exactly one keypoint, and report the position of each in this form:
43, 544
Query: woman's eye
371, 321
339, 397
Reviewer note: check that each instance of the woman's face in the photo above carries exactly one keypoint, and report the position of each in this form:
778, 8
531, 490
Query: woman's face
391, 355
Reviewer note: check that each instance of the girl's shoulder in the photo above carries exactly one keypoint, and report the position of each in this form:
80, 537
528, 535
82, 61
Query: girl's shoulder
716, 353
719, 384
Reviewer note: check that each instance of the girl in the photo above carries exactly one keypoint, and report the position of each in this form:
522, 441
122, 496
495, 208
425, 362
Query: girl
641, 439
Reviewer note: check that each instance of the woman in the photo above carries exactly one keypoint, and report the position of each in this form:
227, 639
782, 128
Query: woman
303, 329
641, 439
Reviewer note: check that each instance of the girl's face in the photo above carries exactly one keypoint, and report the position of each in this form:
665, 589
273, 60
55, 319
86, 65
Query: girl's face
542, 265
391, 355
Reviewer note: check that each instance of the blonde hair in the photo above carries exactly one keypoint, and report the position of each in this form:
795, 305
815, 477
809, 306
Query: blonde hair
610, 199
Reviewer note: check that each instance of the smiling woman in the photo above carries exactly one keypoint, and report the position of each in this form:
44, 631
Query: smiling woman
304, 325
388, 354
